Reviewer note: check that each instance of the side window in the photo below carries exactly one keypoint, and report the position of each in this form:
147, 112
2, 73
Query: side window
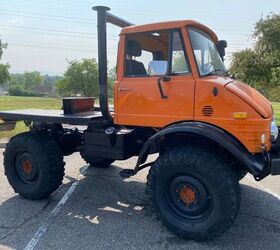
179, 63
146, 54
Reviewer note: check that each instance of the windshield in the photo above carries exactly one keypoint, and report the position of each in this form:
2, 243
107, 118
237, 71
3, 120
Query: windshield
206, 54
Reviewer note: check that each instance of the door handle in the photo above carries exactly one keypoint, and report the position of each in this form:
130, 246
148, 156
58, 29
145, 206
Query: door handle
125, 89
164, 79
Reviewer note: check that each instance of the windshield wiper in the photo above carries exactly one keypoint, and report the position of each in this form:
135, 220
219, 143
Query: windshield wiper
217, 71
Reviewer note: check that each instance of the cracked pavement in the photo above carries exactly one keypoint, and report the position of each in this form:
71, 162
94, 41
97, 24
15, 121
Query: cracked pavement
107, 212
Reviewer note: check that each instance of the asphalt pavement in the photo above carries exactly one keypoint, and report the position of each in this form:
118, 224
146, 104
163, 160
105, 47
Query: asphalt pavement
96, 209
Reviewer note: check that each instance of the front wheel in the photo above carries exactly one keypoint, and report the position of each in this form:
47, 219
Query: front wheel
240, 173
196, 195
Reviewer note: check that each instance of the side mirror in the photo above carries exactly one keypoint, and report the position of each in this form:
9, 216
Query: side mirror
221, 47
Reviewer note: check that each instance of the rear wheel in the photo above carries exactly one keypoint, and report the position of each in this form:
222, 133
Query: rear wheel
97, 162
196, 195
34, 165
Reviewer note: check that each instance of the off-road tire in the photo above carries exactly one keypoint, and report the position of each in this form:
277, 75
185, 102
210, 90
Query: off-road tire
47, 160
97, 162
213, 173
240, 173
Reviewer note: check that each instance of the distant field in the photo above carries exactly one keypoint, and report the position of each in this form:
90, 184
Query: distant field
11, 102
14, 102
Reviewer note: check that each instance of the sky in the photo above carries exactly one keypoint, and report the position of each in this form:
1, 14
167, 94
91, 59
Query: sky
43, 35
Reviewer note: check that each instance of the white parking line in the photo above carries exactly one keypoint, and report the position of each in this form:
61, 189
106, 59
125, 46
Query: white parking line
43, 228
268, 190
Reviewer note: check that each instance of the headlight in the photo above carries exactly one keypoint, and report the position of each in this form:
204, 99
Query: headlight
274, 130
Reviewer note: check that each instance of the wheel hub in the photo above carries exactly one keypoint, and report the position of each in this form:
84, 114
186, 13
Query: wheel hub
187, 195
27, 166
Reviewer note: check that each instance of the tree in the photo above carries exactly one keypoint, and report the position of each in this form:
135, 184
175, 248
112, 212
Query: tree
27, 80
26, 84
63, 88
111, 81
81, 77
2, 46
32, 79
260, 66
4, 68
51, 80
4, 73
179, 62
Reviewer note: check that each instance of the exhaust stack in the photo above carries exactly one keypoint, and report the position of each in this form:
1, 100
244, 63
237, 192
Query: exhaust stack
102, 18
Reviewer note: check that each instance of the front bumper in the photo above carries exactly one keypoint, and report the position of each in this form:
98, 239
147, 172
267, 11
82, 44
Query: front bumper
268, 162
275, 157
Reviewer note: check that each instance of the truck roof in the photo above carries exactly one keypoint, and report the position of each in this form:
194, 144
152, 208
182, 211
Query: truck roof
169, 25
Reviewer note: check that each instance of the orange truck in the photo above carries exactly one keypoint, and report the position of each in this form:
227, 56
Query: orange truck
173, 96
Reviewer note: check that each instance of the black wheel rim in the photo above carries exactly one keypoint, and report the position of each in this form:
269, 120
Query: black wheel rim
26, 167
187, 198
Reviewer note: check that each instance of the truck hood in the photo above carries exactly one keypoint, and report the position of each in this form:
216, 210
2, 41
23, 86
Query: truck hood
252, 97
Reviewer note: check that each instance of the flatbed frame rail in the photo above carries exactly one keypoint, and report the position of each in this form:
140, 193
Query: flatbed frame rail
49, 116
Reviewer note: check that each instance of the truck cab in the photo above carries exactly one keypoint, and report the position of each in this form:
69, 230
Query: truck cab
173, 72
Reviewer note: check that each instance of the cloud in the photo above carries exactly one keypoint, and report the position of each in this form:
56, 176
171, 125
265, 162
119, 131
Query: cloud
14, 21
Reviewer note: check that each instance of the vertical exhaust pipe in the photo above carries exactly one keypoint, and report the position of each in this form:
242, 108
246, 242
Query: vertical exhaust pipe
102, 60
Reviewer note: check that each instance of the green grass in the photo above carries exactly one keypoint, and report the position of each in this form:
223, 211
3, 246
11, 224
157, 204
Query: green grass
14, 102
276, 107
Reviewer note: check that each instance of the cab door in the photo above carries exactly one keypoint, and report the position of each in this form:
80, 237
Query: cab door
157, 87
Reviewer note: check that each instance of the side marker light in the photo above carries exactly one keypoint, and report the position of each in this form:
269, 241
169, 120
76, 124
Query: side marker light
240, 115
